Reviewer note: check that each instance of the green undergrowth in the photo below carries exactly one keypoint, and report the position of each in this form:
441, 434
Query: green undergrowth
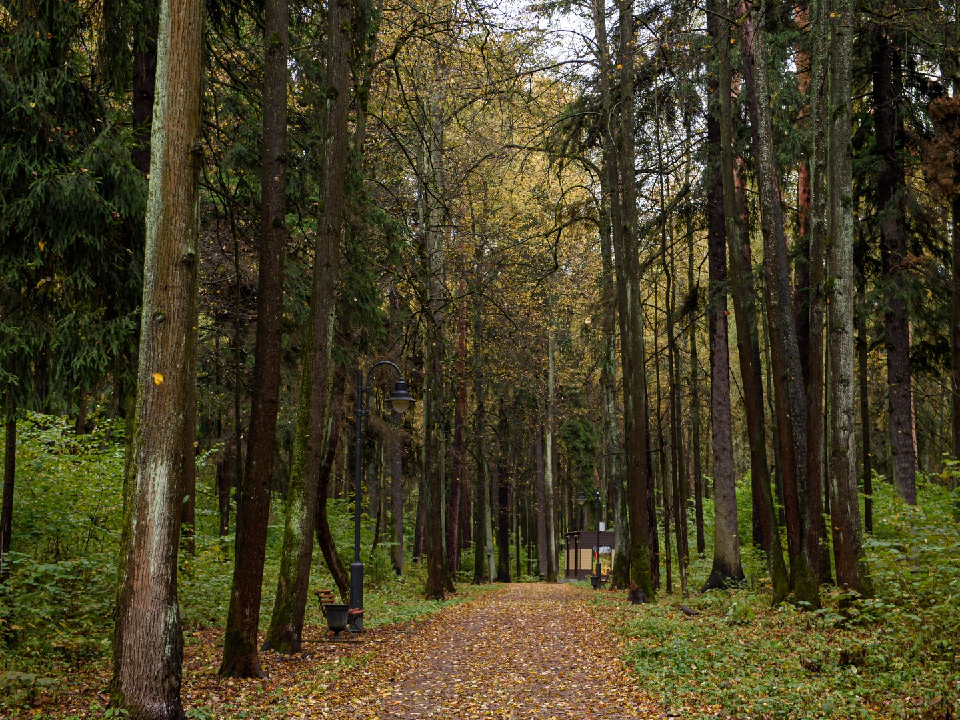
57, 600
894, 655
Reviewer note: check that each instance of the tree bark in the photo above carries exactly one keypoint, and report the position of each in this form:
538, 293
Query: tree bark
693, 289
541, 495
548, 477
890, 192
459, 417
432, 260
9, 476
955, 314
224, 485
642, 514
144, 82
396, 492
865, 420
148, 639
790, 393
848, 549
240, 658
503, 504
328, 548
286, 622
188, 512
612, 464
726, 547
481, 535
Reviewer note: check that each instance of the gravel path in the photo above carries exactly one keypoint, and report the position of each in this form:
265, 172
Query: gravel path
525, 651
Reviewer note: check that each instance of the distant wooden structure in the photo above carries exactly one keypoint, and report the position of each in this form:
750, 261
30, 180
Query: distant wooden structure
578, 553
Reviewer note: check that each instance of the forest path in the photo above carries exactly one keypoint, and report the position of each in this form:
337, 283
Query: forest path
523, 651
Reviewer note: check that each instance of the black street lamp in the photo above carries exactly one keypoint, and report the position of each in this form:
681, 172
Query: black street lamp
595, 501
400, 399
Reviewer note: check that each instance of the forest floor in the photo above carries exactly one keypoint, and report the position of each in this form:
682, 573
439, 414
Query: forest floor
520, 651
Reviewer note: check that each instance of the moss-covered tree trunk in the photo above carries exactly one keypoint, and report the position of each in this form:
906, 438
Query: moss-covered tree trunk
9, 478
314, 405
845, 502
612, 463
341, 577
148, 640
789, 389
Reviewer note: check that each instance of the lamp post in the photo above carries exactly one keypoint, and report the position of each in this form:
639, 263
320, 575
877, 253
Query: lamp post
401, 399
595, 501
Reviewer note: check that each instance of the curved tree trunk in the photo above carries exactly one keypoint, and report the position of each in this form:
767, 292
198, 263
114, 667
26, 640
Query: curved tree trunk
286, 622
328, 548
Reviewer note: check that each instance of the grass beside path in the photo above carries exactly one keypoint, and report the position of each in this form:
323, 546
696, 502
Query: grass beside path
895, 655
298, 686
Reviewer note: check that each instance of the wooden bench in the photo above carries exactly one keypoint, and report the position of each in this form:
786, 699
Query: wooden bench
326, 598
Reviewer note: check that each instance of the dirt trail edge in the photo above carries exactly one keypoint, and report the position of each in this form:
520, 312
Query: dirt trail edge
526, 651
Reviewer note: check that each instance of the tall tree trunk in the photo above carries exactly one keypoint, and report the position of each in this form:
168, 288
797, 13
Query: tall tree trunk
224, 485
144, 82
865, 421
481, 536
643, 535
845, 502
240, 658
432, 259
9, 476
955, 315
188, 511
313, 411
541, 495
325, 541
460, 412
803, 262
890, 192
787, 370
548, 476
696, 468
732, 215
503, 501
148, 639
664, 451
809, 293
726, 547
396, 492
676, 439
616, 497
